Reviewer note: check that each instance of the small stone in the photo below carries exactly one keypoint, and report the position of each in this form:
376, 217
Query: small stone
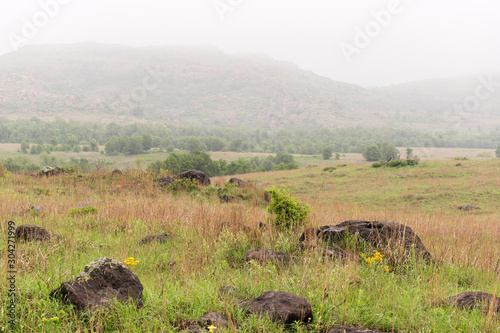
280, 306
27, 233
213, 318
160, 238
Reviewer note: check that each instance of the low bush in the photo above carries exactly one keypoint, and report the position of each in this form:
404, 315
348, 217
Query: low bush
287, 211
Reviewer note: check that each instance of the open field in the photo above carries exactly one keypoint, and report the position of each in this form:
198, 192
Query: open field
182, 277
124, 162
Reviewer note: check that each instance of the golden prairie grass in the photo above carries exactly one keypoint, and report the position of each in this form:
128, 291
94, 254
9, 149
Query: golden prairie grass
182, 278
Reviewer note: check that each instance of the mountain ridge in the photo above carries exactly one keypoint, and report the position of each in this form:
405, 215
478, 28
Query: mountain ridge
204, 86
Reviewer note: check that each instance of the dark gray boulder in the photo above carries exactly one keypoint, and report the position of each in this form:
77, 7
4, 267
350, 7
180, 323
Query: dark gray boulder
378, 233
28, 233
199, 176
100, 282
474, 299
160, 238
238, 182
281, 307
468, 208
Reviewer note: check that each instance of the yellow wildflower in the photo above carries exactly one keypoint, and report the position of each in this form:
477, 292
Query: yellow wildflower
386, 268
54, 319
211, 328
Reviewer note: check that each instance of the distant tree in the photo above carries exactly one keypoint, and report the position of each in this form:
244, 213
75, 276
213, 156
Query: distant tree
235, 145
327, 153
147, 142
133, 146
409, 153
72, 140
497, 152
337, 156
93, 145
283, 158
112, 146
389, 152
25, 145
372, 154
76, 148
53, 140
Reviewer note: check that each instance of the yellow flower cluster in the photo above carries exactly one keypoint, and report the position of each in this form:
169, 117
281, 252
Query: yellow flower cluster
211, 328
53, 319
376, 257
131, 261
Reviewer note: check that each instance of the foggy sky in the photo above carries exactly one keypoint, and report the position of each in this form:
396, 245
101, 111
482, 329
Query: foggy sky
418, 39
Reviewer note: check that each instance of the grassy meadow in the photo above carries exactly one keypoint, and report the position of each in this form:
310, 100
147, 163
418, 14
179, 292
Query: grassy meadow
182, 278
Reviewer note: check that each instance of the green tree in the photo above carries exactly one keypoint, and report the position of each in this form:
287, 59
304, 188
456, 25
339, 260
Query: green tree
111, 146
133, 146
76, 148
147, 142
327, 153
409, 153
372, 154
337, 156
497, 152
25, 145
93, 145
389, 152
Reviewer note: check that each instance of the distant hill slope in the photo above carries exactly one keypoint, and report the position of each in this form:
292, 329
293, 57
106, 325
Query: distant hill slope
199, 86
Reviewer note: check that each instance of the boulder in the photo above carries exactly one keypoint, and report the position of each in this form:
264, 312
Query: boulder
473, 299
100, 282
238, 182
468, 208
165, 181
213, 319
348, 329
160, 238
378, 233
281, 307
28, 233
199, 176
266, 255
116, 172
50, 171
230, 198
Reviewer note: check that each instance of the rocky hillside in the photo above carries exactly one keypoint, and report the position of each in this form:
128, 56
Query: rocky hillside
199, 86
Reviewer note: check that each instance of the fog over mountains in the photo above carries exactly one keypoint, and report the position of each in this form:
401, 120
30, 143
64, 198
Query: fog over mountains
204, 86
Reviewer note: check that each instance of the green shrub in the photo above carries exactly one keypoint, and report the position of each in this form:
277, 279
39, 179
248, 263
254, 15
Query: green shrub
376, 165
83, 211
288, 211
182, 185
329, 169
401, 163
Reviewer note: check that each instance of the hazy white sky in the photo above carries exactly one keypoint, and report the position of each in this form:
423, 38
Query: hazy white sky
407, 40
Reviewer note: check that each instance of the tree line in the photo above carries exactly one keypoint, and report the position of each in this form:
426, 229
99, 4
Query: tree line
134, 138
